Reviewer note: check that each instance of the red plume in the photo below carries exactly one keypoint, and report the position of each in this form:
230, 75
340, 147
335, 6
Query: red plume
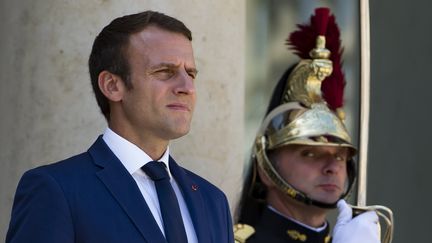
303, 41
320, 20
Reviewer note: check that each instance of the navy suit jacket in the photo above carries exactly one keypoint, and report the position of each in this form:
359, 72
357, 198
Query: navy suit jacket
91, 197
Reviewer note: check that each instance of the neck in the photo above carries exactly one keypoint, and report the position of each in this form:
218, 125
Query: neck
289, 207
151, 145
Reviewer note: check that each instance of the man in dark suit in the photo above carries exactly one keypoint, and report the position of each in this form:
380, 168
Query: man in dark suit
142, 71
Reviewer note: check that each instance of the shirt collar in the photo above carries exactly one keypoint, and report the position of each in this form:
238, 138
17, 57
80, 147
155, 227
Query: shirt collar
130, 155
318, 229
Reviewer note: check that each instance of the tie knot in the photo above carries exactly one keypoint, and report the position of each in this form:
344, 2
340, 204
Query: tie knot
156, 170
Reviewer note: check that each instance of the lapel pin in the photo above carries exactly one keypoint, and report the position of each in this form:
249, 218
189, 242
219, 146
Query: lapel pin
194, 187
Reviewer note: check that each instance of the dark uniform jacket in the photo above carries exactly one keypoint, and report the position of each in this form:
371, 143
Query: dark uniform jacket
274, 228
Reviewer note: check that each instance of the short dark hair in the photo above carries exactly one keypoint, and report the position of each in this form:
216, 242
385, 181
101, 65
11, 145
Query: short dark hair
109, 51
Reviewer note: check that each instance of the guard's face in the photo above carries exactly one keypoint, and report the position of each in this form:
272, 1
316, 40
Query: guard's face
162, 100
320, 172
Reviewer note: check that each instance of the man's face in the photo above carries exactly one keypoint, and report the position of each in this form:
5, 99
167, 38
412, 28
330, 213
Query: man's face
162, 70
318, 171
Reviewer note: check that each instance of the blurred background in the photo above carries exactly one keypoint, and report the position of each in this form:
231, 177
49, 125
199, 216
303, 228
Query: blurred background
49, 113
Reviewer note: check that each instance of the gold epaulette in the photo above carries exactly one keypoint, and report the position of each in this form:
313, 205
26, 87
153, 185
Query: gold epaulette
242, 232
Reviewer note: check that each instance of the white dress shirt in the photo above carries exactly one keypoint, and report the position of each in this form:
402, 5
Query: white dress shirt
133, 158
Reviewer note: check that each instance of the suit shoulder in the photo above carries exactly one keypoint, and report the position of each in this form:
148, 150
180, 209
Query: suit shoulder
73, 161
74, 166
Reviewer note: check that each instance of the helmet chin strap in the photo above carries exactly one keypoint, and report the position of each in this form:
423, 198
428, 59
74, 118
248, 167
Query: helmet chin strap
301, 197
265, 164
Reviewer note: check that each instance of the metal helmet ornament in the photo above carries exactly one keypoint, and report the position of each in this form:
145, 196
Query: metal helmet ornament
306, 106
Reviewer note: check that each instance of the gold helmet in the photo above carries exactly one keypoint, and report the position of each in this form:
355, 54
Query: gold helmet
306, 106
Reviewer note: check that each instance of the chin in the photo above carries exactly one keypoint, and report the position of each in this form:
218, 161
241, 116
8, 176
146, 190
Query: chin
330, 199
176, 128
179, 133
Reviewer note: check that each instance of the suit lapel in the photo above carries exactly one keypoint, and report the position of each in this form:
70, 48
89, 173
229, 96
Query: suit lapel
193, 197
124, 189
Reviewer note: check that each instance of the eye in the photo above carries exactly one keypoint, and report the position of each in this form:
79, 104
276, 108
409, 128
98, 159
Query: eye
168, 71
164, 74
192, 72
308, 154
192, 75
339, 157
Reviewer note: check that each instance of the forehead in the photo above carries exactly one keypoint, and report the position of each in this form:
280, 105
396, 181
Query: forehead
160, 45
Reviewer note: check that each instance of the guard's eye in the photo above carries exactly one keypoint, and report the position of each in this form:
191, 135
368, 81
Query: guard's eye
308, 154
340, 157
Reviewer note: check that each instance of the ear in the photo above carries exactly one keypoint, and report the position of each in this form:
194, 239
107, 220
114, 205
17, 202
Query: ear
111, 85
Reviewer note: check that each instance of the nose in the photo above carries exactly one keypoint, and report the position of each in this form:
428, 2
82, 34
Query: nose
185, 84
333, 166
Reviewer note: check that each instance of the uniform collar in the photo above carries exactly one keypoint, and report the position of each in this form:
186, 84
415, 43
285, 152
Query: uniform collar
273, 223
318, 229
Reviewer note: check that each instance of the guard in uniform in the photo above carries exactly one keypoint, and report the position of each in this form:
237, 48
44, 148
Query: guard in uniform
302, 162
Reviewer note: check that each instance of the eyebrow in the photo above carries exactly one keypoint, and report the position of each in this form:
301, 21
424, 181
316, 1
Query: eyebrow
173, 66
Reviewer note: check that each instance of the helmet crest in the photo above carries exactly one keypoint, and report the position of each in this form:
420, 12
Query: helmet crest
304, 40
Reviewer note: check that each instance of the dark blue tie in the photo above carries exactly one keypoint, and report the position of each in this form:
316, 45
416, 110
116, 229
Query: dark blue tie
172, 219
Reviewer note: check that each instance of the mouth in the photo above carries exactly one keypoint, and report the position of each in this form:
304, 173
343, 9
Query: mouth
329, 187
178, 107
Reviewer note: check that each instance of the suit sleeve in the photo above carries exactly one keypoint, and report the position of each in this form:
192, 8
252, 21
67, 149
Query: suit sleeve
40, 211
230, 229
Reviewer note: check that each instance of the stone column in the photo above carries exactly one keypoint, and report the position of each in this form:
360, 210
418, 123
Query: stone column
47, 105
